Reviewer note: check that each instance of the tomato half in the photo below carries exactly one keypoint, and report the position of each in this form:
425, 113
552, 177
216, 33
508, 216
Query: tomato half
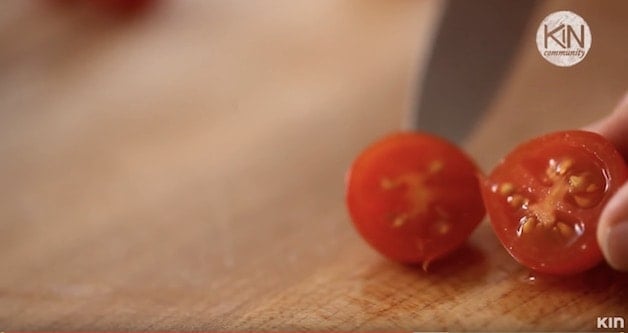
414, 197
545, 199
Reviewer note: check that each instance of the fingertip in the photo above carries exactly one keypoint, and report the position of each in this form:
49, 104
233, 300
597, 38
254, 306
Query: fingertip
615, 249
607, 123
623, 103
612, 232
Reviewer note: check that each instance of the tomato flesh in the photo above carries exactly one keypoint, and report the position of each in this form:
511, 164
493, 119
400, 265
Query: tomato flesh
414, 197
545, 199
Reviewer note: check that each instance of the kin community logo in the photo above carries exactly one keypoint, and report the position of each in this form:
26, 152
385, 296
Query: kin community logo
563, 38
610, 322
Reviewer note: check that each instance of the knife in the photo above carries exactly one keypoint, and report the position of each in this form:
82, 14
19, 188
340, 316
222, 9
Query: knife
471, 53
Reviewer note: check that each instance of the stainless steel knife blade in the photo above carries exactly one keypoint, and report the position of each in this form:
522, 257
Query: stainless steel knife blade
472, 50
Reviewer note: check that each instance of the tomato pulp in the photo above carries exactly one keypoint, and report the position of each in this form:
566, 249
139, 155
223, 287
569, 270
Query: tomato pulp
414, 197
545, 199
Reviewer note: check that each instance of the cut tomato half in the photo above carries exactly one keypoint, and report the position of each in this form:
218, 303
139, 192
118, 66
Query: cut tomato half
414, 197
545, 199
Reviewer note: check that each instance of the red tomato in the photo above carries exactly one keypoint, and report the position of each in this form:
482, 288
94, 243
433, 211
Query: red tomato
414, 197
545, 198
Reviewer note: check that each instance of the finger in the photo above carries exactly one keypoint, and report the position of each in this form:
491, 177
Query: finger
615, 127
612, 232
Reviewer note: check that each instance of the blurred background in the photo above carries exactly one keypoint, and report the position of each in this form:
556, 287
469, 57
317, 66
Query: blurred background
180, 164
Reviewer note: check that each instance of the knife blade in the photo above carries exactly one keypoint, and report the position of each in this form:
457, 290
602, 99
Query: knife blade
472, 51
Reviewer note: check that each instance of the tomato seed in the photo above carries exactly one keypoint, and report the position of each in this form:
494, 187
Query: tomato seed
506, 189
564, 229
435, 166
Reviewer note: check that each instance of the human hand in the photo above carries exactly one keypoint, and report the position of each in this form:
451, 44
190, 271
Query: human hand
612, 232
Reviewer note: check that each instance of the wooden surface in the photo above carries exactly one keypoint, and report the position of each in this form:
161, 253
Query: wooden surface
184, 169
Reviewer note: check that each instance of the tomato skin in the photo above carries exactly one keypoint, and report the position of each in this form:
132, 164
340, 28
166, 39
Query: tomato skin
560, 178
414, 197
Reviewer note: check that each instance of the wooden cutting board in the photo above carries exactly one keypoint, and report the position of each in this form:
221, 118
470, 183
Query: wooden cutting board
183, 169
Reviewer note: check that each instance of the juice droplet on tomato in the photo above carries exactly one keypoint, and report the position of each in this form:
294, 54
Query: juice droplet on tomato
529, 278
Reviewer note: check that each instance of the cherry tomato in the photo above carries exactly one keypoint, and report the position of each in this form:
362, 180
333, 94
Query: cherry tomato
545, 198
414, 197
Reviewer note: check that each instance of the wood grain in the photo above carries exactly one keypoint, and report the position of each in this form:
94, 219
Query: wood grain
183, 169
